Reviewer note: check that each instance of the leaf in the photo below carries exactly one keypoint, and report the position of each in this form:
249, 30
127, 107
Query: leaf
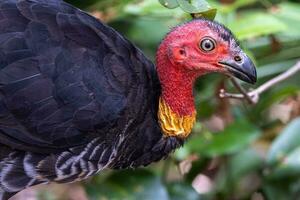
264, 51
276, 94
151, 8
181, 190
195, 6
288, 167
233, 139
289, 13
275, 68
232, 7
277, 191
209, 14
256, 24
240, 168
283, 54
287, 141
137, 184
243, 163
169, 3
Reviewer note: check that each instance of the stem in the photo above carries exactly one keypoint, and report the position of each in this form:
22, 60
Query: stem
241, 90
253, 96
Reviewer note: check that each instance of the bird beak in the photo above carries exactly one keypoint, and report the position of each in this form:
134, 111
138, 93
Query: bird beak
241, 67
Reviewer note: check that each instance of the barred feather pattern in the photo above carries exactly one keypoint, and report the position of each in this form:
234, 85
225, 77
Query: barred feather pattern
20, 170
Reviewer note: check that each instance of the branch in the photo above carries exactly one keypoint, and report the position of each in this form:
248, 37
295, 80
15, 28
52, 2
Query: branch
253, 96
242, 90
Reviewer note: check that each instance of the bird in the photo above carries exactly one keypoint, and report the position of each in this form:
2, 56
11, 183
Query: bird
77, 97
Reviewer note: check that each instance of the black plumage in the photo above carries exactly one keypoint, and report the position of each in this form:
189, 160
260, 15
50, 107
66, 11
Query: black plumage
75, 97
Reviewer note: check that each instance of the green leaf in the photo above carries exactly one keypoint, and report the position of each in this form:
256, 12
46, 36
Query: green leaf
265, 53
137, 184
289, 13
275, 68
240, 168
194, 6
169, 3
287, 141
151, 8
288, 167
209, 14
275, 95
256, 24
181, 190
243, 163
283, 54
277, 190
232, 7
234, 138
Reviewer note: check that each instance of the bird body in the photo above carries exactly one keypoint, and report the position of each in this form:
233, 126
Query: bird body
76, 97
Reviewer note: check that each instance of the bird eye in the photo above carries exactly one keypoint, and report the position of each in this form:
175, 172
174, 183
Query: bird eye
207, 44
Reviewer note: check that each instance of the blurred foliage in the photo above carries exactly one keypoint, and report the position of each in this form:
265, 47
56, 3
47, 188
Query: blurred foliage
237, 151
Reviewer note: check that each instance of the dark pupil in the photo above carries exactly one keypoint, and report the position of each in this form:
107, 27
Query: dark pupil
207, 44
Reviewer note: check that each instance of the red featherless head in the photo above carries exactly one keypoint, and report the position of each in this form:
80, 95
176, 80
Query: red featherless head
193, 49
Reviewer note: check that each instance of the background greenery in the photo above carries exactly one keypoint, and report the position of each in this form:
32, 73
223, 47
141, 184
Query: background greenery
237, 150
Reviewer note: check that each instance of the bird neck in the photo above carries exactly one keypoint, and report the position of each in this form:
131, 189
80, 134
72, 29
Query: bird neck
177, 90
177, 113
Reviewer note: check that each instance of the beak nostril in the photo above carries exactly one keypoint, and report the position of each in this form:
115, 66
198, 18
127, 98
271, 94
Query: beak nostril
237, 58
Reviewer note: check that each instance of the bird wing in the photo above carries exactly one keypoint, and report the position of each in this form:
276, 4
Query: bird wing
64, 76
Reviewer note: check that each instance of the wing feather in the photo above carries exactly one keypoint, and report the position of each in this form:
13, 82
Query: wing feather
64, 76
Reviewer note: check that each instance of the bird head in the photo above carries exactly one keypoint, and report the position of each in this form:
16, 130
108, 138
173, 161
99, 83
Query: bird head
202, 46
188, 51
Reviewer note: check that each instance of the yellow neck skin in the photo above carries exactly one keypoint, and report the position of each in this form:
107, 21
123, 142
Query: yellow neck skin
172, 124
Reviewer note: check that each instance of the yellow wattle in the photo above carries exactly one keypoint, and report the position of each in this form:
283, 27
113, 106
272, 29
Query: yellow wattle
172, 124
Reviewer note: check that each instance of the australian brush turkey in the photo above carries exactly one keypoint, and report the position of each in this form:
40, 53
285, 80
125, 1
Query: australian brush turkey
76, 97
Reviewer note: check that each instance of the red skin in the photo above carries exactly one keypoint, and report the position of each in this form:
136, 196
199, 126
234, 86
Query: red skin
180, 61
